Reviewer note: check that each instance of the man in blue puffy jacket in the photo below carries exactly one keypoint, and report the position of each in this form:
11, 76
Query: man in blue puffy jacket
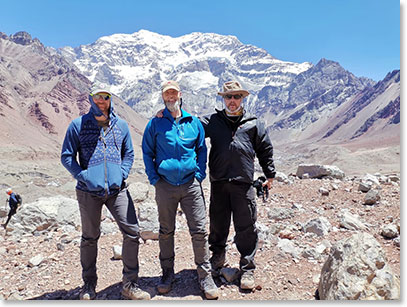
174, 154
14, 201
98, 152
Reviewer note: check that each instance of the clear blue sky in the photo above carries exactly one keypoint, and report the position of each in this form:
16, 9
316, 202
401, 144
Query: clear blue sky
362, 35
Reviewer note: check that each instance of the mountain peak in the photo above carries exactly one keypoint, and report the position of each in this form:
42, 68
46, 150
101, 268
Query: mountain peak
22, 38
325, 62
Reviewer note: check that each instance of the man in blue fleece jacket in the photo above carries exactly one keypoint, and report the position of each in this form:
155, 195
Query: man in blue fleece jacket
174, 154
98, 152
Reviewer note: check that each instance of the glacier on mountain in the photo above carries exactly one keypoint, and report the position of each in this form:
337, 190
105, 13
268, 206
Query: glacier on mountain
136, 64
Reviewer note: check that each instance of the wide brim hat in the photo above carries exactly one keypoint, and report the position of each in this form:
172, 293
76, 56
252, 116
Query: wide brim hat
232, 88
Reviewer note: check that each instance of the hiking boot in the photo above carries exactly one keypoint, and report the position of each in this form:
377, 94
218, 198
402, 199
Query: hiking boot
209, 287
132, 291
88, 291
247, 281
166, 281
217, 261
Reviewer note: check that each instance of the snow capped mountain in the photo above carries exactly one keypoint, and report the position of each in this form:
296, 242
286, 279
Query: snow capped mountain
136, 65
313, 113
294, 99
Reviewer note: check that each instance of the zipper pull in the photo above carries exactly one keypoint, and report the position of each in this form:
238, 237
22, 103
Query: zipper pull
103, 140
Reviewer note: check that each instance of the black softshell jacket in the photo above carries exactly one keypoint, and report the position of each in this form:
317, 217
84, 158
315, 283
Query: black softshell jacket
234, 147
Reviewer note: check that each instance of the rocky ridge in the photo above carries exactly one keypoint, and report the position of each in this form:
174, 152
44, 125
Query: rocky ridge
41, 93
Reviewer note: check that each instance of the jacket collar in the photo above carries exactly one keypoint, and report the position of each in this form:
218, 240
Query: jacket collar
246, 115
168, 115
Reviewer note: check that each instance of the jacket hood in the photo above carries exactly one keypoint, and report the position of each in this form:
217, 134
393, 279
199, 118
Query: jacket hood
94, 109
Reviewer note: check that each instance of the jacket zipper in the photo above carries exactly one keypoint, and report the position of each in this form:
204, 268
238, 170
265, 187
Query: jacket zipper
177, 146
105, 162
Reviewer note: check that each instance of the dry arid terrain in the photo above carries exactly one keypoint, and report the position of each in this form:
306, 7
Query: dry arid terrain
280, 275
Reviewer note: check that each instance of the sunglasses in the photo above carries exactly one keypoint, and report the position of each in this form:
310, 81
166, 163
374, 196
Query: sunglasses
237, 96
101, 96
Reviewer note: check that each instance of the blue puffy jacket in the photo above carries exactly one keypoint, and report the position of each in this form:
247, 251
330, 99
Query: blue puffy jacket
13, 201
174, 151
105, 157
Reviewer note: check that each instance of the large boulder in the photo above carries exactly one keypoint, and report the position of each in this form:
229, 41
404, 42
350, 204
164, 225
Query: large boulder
319, 171
138, 191
357, 269
148, 221
46, 213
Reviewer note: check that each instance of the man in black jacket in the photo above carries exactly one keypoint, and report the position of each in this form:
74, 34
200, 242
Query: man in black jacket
236, 139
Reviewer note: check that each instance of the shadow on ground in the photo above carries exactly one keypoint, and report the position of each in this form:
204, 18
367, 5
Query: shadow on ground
185, 285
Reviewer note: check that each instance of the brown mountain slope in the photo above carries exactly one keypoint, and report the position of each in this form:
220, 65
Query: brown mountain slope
40, 95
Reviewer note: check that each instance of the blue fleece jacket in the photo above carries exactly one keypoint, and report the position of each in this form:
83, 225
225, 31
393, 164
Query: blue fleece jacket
174, 151
105, 157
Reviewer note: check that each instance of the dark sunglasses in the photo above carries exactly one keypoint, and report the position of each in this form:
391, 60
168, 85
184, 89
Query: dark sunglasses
99, 96
237, 96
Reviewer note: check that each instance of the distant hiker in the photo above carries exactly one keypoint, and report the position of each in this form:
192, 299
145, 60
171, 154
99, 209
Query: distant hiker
14, 201
103, 144
236, 139
174, 154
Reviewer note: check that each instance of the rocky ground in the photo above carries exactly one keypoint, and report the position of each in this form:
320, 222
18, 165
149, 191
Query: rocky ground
289, 259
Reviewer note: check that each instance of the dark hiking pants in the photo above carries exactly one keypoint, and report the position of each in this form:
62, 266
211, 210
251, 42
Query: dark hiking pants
122, 208
190, 197
237, 200
13, 210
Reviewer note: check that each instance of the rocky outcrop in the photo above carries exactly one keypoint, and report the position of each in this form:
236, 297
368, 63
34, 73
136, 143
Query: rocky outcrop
357, 269
45, 214
319, 171
21, 38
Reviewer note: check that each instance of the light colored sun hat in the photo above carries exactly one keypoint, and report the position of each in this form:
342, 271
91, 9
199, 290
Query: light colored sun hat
233, 87
170, 84
98, 87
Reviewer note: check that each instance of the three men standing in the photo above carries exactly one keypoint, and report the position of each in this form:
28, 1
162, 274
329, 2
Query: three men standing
175, 156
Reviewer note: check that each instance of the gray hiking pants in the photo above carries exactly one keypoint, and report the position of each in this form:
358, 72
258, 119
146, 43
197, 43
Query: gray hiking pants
122, 208
190, 197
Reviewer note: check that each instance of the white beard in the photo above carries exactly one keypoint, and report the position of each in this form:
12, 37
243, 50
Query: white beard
172, 107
